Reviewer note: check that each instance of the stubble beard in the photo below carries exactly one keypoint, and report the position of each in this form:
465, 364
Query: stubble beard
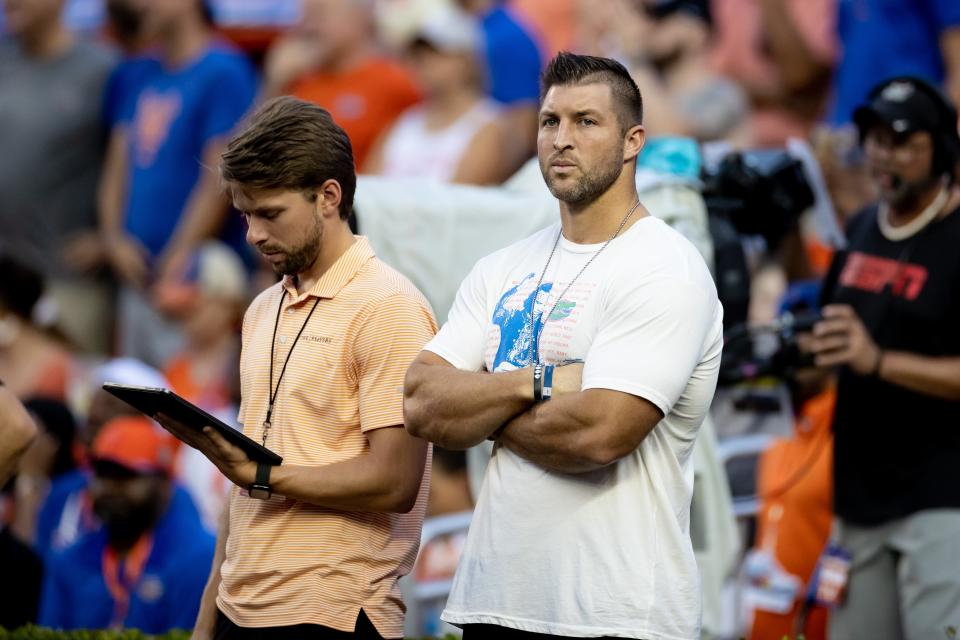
591, 186
299, 259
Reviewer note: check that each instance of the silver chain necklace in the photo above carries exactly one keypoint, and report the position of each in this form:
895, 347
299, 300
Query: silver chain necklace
535, 339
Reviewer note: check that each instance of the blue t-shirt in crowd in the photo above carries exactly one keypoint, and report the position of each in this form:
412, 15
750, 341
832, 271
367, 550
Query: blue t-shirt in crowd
886, 38
514, 62
170, 116
166, 596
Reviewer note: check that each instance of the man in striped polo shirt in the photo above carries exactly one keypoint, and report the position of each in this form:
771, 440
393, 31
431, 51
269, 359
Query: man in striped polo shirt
313, 548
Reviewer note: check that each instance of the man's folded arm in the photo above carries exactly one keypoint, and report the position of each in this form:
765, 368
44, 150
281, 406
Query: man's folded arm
459, 409
580, 432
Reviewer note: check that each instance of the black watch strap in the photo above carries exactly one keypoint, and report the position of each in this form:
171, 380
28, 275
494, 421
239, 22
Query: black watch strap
263, 474
261, 488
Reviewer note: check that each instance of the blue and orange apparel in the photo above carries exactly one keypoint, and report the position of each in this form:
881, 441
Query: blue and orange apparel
157, 584
156, 588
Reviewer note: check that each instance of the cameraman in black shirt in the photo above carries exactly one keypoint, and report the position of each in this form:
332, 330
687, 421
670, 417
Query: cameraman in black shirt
894, 329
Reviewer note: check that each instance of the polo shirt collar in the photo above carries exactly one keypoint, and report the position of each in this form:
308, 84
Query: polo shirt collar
339, 274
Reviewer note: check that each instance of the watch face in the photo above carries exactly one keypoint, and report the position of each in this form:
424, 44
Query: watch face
260, 493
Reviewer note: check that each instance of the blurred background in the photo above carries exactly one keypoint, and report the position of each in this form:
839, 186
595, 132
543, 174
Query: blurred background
121, 259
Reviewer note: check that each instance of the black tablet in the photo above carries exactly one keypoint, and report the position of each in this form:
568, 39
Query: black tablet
153, 400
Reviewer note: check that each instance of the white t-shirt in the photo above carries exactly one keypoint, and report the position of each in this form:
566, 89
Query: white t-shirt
606, 552
413, 150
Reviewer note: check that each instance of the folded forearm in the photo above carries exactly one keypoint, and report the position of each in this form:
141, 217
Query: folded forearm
459, 409
939, 377
555, 435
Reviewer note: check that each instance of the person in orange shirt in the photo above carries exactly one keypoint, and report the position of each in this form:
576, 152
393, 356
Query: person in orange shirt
314, 547
795, 486
332, 59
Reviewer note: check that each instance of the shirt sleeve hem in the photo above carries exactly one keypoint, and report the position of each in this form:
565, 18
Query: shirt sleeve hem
634, 389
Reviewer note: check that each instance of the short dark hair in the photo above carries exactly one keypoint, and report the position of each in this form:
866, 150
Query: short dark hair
572, 69
291, 144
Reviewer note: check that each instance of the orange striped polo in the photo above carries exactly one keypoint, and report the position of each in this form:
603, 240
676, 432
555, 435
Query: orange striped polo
289, 562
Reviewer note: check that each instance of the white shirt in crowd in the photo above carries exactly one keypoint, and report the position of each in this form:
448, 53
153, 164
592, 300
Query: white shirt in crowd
414, 151
606, 552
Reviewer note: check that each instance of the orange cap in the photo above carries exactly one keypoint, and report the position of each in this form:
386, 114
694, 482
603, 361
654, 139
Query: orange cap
137, 443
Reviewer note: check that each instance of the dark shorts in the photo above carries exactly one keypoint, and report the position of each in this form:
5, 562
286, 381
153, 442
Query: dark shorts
227, 630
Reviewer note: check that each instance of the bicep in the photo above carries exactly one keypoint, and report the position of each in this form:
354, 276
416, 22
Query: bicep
397, 454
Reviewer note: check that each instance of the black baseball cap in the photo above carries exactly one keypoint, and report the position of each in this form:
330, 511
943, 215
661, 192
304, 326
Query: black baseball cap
904, 104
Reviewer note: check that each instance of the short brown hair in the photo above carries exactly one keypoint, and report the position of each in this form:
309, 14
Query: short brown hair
291, 144
572, 69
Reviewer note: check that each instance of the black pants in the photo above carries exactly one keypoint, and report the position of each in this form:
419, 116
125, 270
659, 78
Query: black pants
227, 630
492, 631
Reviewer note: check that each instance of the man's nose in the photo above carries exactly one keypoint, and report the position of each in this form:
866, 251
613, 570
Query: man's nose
255, 232
564, 138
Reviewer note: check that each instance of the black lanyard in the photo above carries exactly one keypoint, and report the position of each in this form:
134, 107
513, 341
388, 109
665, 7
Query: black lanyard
272, 393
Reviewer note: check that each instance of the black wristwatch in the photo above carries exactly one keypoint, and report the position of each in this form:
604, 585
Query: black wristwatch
260, 489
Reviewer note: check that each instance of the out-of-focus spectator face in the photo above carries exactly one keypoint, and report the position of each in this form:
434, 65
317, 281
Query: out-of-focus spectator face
160, 16
284, 226
675, 36
132, 463
336, 25
127, 502
25, 16
438, 72
900, 165
580, 141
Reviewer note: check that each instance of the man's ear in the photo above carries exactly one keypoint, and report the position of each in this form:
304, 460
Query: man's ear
329, 196
633, 142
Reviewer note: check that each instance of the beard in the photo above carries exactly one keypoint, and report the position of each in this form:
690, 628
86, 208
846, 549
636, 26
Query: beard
907, 195
124, 520
298, 259
591, 186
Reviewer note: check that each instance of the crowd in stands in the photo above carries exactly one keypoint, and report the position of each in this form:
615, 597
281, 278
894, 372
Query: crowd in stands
122, 259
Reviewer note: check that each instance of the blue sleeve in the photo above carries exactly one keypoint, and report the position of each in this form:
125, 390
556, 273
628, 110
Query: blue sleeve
194, 572
229, 97
946, 13
122, 89
54, 602
514, 64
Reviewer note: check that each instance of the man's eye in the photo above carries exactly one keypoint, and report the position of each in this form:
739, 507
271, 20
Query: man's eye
589, 122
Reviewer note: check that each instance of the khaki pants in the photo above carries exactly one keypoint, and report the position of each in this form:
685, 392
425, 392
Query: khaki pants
904, 579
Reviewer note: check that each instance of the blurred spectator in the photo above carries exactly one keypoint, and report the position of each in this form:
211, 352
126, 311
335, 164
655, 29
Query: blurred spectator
666, 47
449, 484
886, 38
67, 513
52, 140
23, 568
554, 22
453, 136
892, 330
794, 485
332, 59
514, 63
33, 361
781, 53
209, 302
158, 202
17, 431
147, 566
50, 456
